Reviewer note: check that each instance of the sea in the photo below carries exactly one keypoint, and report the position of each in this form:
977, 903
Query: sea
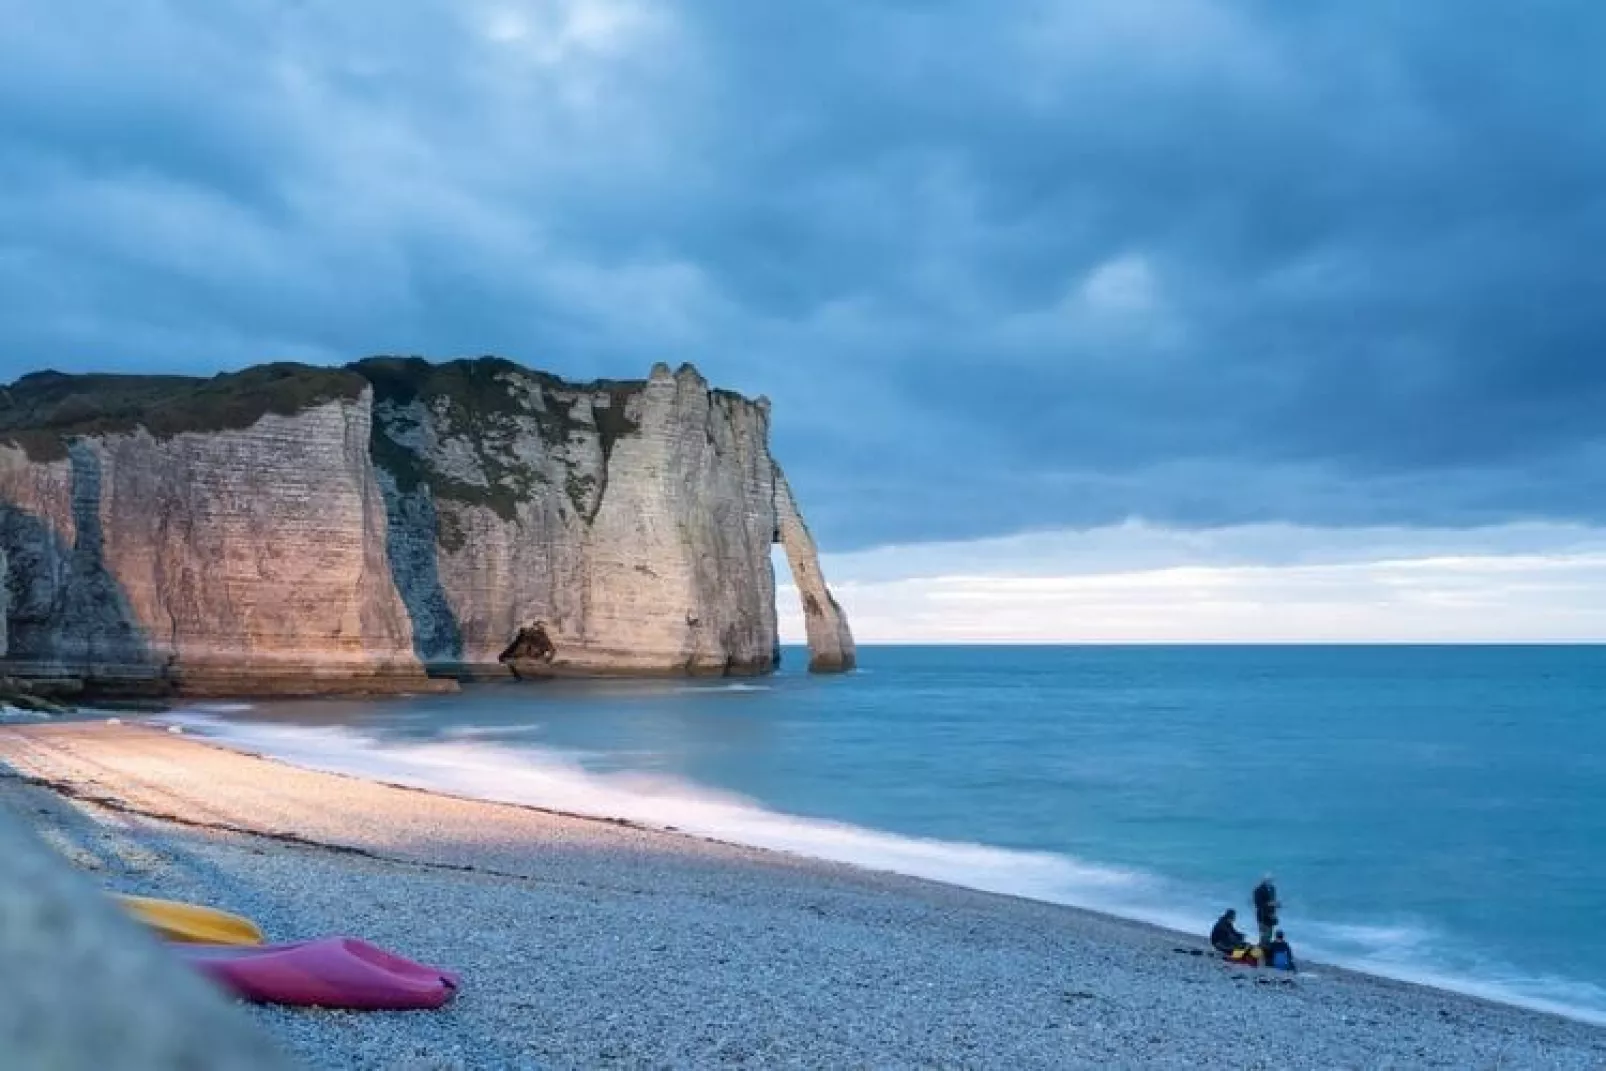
1433, 814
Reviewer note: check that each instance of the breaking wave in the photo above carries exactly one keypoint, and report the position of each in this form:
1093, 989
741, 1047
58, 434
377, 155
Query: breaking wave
733, 686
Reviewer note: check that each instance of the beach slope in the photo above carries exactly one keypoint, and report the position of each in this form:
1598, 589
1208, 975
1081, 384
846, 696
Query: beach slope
586, 943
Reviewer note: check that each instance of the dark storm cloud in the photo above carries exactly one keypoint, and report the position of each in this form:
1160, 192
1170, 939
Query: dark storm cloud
999, 266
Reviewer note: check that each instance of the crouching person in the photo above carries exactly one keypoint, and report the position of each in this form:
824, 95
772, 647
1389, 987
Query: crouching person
1279, 955
1224, 937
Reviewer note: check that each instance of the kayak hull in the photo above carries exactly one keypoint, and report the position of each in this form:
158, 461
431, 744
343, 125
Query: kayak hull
191, 923
334, 972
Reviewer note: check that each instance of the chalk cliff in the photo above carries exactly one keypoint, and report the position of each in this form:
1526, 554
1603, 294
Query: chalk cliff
290, 529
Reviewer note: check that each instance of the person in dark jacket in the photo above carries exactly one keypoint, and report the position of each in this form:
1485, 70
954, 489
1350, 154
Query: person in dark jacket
1278, 954
1266, 905
1225, 938
544, 647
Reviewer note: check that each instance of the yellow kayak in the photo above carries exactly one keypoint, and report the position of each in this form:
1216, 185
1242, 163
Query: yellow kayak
191, 923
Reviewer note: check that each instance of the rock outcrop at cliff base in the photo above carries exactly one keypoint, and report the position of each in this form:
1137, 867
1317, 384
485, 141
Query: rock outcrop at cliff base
386, 525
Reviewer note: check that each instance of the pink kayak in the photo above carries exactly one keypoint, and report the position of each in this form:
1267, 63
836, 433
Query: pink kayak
335, 972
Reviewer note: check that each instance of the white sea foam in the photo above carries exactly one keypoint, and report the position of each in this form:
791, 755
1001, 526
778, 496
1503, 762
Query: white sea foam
732, 686
543, 778
474, 765
218, 708
1375, 939
10, 713
491, 732
1413, 952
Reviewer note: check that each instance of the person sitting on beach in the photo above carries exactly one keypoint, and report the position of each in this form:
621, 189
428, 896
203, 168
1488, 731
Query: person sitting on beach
1225, 938
1278, 954
1266, 905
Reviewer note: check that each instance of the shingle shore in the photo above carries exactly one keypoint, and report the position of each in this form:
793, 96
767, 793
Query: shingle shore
586, 943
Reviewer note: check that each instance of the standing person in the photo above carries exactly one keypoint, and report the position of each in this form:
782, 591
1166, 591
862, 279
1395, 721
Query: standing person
1266, 905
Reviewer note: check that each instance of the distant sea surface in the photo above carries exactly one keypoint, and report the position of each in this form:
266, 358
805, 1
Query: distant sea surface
1430, 813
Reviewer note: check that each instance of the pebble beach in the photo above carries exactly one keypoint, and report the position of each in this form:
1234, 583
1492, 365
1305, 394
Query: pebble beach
587, 943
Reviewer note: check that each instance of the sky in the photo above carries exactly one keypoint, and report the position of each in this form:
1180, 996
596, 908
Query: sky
1111, 319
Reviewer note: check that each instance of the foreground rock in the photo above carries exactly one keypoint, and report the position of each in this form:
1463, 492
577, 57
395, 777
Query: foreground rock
86, 990
371, 529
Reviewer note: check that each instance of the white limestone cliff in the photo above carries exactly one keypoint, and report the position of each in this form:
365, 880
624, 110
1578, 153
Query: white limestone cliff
391, 521
213, 562
633, 520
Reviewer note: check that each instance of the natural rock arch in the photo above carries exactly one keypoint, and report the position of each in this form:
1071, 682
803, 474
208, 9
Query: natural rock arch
831, 648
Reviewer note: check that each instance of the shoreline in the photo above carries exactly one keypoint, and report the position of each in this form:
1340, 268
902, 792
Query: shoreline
264, 826
896, 854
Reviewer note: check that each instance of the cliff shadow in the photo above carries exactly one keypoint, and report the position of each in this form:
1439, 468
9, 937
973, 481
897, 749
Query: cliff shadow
66, 612
36, 567
98, 614
413, 551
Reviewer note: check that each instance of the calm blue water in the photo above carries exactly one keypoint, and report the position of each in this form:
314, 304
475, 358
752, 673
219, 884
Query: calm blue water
1430, 813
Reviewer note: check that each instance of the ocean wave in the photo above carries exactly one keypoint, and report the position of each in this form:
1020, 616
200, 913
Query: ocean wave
733, 686
1417, 952
219, 708
10, 713
1371, 939
491, 732
474, 764
547, 779
1571, 999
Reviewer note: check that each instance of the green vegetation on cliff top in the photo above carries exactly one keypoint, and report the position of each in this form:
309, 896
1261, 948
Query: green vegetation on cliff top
477, 402
43, 411
476, 399
479, 388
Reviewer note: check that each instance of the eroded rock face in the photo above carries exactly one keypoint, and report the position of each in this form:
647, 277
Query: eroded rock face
210, 562
5, 600
634, 519
309, 530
